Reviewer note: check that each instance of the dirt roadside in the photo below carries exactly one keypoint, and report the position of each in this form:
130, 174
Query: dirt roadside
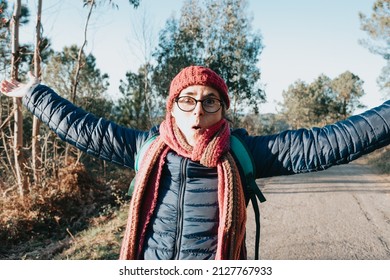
342, 213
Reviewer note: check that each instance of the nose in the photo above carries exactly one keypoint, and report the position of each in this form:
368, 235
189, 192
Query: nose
198, 110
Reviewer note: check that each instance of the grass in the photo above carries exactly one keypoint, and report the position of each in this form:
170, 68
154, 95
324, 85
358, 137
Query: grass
380, 160
101, 241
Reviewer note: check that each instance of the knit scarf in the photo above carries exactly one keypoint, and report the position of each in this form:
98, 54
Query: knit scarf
211, 150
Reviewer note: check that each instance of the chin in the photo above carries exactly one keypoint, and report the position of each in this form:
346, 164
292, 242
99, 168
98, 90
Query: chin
192, 140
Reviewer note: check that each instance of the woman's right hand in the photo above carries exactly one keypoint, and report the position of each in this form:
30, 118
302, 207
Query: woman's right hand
14, 88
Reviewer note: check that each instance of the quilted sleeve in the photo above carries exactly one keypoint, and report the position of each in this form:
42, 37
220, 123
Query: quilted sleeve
96, 136
306, 150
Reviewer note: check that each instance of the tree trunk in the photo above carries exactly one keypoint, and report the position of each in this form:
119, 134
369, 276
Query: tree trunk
35, 147
18, 117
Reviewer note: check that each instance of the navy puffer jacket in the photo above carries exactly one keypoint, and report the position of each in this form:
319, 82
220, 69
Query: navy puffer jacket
185, 223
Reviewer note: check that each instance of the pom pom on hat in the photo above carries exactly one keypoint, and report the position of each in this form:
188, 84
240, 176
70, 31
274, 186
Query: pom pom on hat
197, 75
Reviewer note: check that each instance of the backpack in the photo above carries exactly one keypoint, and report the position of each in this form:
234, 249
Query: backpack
247, 171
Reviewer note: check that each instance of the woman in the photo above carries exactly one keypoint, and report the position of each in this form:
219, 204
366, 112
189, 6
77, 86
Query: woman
188, 201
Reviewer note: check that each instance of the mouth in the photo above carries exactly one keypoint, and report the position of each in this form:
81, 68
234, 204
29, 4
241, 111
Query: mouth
196, 127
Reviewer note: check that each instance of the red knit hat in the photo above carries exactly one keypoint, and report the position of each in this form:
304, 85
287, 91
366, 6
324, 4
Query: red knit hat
197, 75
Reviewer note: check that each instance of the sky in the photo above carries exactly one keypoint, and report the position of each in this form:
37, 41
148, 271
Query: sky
302, 39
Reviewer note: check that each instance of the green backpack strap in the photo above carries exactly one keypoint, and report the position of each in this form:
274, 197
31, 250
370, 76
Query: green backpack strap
245, 159
137, 161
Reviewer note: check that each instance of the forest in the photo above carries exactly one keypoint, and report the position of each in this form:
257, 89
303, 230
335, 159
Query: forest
59, 203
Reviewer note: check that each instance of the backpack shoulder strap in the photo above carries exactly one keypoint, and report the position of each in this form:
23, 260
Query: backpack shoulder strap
141, 153
246, 162
137, 161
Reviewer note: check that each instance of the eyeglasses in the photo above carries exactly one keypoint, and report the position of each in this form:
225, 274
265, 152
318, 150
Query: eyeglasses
188, 104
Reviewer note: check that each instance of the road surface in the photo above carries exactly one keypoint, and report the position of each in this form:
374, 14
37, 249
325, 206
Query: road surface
339, 214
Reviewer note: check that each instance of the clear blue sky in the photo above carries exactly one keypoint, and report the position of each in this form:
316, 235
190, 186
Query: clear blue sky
302, 38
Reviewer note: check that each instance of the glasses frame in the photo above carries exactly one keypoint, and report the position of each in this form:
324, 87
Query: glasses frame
201, 102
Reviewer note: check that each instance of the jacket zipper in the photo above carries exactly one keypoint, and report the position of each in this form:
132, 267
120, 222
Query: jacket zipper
182, 188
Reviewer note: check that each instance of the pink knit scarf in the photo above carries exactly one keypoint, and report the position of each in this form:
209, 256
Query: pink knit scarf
211, 150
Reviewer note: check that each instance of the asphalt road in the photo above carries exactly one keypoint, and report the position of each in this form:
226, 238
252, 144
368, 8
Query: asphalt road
339, 214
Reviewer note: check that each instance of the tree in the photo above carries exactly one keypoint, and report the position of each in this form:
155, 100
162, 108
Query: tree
378, 29
264, 124
323, 101
175, 51
60, 70
35, 148
347, 88
223, 41
4, 37
18, 117
301, 100
137, 105
13, 62
234, 49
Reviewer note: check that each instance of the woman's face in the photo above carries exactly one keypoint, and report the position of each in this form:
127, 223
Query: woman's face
193, 123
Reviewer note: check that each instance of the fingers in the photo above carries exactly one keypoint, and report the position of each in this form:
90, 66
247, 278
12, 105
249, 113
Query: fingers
8, 86
13, 88
4, 86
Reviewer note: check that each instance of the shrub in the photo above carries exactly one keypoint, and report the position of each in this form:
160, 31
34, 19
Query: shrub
59, 207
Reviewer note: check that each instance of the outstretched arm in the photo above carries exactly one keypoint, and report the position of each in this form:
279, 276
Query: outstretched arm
96, 136
306, 150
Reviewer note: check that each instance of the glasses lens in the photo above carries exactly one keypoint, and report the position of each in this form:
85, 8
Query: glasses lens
211, 105
186, 103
